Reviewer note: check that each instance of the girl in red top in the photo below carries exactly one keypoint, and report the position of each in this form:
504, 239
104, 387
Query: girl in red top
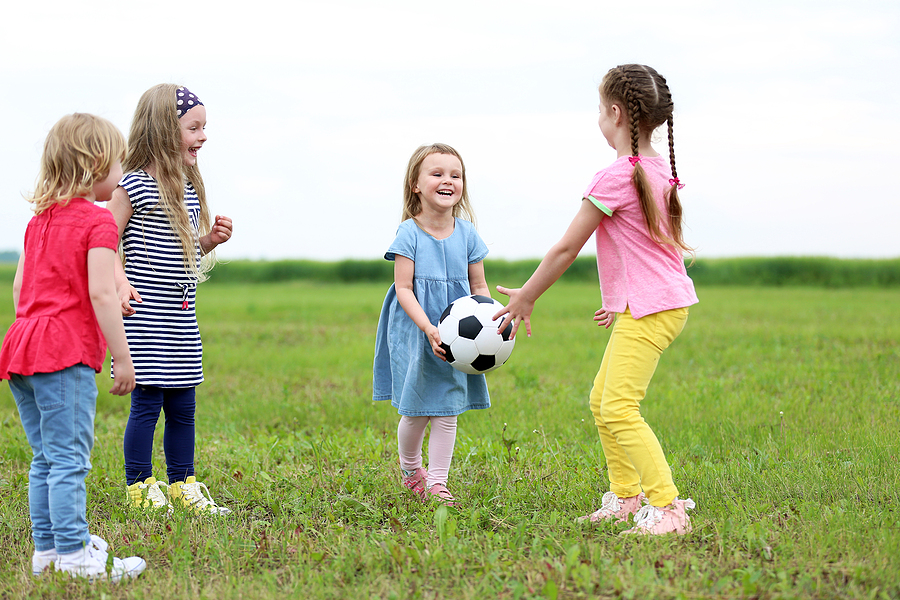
67, 311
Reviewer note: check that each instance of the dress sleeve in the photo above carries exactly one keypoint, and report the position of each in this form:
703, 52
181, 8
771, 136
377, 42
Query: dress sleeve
103, 232
478, 250
405, 242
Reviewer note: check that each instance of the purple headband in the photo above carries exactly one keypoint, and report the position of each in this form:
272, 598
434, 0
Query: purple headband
185, 101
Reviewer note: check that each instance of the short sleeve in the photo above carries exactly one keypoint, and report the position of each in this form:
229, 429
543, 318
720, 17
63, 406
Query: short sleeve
477, 249
609, 189
103, 233
405, 242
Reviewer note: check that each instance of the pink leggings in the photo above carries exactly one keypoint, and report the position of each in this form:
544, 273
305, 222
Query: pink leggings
411, 434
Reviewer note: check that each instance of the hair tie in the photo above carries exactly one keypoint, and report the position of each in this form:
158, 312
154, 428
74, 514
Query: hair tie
634, 159
185, 101
676, 182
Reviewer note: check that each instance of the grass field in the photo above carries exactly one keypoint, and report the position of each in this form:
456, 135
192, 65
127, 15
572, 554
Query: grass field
778, 409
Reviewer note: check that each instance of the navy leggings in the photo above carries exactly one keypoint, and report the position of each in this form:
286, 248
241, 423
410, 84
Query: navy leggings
179, 405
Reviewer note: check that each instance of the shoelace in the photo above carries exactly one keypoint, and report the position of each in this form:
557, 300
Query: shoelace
156, 496
609, 502
198, 495
648, 516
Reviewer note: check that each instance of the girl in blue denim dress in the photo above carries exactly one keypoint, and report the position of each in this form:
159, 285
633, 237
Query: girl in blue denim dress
438, 257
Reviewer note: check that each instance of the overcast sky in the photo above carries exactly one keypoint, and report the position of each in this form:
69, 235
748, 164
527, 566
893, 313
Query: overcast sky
786, 123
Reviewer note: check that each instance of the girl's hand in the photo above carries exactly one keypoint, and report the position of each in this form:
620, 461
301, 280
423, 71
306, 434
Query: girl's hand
435, 338
123, 377
517, 311
126, 294
221, 232
604, 318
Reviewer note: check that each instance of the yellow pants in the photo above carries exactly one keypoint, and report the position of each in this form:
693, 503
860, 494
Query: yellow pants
633, 455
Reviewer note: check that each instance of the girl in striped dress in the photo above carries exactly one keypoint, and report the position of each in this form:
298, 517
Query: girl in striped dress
168, 243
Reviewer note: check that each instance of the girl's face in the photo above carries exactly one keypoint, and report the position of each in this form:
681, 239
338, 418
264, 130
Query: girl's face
440, 184
192, 125
103, 190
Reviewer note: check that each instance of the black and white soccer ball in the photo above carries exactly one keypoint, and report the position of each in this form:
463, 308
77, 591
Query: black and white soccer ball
469, 336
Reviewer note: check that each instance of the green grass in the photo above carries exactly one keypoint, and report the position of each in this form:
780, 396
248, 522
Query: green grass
778, 410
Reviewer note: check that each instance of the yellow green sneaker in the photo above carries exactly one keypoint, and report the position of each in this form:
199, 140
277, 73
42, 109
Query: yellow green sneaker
146, 494
195, 495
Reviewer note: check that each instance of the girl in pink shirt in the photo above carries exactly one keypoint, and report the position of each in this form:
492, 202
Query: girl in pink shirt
633, 209
67, 311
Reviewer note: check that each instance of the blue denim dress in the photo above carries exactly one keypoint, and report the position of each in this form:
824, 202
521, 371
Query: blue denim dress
406, 370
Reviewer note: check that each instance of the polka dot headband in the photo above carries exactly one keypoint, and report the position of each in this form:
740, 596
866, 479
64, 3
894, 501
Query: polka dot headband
185, 101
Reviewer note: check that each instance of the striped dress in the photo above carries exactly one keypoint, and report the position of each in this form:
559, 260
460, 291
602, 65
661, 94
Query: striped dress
163, 335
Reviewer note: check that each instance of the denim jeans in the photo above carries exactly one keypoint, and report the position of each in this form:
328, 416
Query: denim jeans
179, 406
57, 412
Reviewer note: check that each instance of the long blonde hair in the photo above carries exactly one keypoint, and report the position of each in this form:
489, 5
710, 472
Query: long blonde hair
412, 205
155, 139
79, 152
647, 102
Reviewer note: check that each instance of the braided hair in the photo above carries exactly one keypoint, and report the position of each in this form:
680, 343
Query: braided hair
645, 96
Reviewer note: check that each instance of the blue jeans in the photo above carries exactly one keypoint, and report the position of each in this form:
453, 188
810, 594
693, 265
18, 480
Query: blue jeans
179, 405
57, 412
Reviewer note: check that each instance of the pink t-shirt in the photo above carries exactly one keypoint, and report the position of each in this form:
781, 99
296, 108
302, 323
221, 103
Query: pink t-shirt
636, 271
55, 325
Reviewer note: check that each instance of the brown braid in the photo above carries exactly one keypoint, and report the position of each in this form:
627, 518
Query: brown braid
647, 101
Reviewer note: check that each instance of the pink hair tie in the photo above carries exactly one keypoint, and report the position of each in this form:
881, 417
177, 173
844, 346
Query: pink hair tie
676, 182
634, 159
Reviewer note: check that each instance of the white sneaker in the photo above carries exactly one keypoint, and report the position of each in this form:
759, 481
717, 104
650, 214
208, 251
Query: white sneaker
43, 560
90, 562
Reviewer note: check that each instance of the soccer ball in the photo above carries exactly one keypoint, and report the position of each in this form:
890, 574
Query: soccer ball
469, 336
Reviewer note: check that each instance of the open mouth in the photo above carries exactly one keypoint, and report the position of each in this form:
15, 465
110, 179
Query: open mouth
445, 193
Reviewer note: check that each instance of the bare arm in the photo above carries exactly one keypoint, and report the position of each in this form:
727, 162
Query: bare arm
120, 206
17, 282
558, 259
102, 287
404, 270
477, 282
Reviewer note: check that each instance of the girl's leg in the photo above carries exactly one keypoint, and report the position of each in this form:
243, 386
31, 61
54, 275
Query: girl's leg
440, 449
180, 406
410, 434
624, 480
632, 360
38, 491
67, 401
146, 402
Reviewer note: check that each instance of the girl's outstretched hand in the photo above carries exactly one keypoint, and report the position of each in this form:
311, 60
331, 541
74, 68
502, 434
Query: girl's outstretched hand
221, 232
126, 294
604, 318
517, 310
435, 338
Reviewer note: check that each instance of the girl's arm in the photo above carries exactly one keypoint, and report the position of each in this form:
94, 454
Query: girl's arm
404, 270
558, 259
17, 282
477, 282
102, 287
220, 233
120, 206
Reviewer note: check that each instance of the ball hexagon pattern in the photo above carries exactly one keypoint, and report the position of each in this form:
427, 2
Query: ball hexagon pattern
469, 336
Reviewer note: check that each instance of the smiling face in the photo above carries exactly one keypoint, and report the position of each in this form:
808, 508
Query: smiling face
192, 135
440, 183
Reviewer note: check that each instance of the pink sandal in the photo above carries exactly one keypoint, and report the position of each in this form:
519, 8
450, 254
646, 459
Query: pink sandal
442, 494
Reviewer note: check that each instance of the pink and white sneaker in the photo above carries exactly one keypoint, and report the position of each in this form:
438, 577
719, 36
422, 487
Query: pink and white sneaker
655, 520
615, 509
415, 482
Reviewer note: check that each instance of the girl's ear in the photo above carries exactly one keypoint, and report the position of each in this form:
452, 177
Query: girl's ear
618, 114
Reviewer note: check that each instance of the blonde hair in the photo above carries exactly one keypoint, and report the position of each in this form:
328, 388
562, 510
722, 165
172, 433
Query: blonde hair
155, 139
79, 152
412, 205
647, 102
